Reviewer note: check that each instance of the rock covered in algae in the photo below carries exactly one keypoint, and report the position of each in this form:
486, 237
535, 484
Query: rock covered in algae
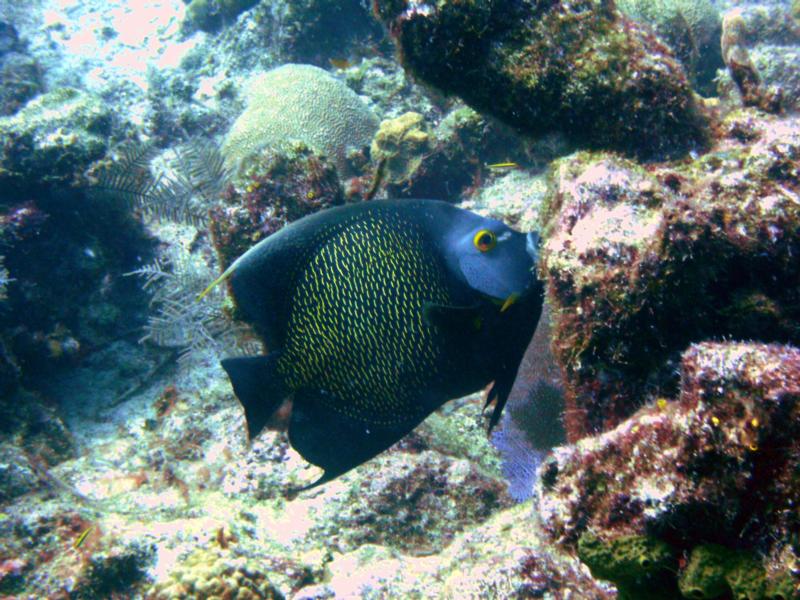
641, 262
450, 162
692, 29
273, 189
300, 103
572, 65
761, 48
52, 139
689, 472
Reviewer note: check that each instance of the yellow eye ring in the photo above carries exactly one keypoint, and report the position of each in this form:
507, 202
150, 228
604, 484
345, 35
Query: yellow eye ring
485, 240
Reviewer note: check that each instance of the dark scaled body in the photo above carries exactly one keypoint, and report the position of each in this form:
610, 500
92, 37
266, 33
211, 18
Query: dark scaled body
375, 315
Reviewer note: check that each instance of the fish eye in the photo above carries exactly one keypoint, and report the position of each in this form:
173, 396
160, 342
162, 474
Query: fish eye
485, 240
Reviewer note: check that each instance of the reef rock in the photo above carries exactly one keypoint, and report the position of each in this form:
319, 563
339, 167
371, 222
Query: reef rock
270, 192
17, 476
641, 262
576, 66
300, 103
415, 503
711, 477
761, 48
319, 31
692, 29
52, 139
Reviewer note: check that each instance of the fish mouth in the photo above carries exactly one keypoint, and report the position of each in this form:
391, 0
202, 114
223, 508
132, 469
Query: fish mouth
505, 303
509, 301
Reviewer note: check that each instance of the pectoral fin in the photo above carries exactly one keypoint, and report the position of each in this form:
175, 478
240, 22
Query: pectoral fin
453, 319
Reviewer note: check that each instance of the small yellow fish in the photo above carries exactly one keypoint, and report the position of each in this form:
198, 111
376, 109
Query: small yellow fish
339, 63
82, 537
503, 165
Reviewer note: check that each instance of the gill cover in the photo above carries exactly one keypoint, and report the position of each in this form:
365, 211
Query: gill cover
492, 258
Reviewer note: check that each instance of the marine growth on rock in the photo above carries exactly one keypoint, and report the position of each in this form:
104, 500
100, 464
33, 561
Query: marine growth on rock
574, 66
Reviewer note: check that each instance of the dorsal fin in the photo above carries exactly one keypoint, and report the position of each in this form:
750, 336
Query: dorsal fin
228, 272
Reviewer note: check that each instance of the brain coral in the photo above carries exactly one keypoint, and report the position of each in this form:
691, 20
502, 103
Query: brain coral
301, 103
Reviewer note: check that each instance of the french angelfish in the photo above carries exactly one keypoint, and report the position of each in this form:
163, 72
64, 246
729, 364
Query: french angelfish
376, 314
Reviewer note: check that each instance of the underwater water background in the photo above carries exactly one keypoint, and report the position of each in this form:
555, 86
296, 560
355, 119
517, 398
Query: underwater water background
649, 447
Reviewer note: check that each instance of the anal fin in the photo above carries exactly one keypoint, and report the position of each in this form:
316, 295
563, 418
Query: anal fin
258, 386
334, 441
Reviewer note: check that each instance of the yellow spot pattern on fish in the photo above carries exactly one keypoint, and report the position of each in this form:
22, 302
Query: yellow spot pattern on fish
356, 328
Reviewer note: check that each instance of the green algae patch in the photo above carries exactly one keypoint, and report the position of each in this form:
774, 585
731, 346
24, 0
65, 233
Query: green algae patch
714, 571
705, 573
640, 566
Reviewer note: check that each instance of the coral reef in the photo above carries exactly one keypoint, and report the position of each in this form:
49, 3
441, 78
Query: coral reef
642, 262
452, 161
17, 476
271, 191
40, 436
389, 90
712, 474
67, 251
111, 572
300, 103
691, 28
575, 66
151, 488
51, 140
